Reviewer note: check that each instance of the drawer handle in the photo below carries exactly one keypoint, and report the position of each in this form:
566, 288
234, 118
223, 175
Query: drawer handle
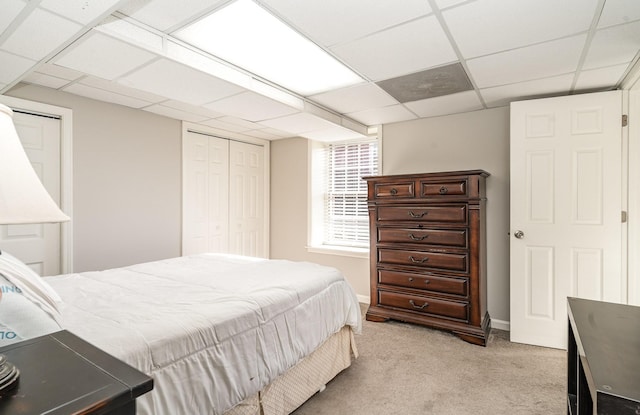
393, 191
414, 215
418, 307
418, 261
444, 190
417, 238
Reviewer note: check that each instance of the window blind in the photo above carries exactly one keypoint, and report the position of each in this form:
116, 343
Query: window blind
346, 214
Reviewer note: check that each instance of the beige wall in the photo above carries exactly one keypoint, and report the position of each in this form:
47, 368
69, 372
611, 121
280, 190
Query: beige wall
126, 181
477, 140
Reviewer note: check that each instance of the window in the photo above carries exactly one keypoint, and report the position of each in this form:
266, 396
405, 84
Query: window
339, 169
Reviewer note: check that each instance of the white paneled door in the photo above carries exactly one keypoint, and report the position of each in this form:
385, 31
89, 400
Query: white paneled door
38, 245
223, 196
566, 203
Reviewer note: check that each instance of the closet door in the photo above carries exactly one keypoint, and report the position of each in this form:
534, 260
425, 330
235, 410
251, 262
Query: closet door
224, 200
246, 198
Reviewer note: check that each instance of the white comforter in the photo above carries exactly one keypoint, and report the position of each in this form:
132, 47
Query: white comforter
211, 329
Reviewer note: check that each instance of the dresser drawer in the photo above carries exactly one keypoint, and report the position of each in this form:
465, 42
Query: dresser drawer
445, 188
439, 260
453, 238
446, 285
394, 190
449, 214
453, 309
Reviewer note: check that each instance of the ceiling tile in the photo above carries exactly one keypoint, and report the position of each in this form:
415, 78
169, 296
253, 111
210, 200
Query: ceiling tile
81, 11
121, 89
375, 116
448, 104
443, 4
357, 18
356, 98
13, 66
600, 78
401, 50
246, 125
251, 106
103, 56
10, 10
614, 45
102, 95
618, 12
40, 34
430, 83
525, 64
174, 113
226, 126
503, 95
335, 133
179, 82
165, 14
488, 26
45, 80
60, 71
205, 112
268, 134
298, 123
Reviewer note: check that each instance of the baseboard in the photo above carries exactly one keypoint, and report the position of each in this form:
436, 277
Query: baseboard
364, 299
500, 324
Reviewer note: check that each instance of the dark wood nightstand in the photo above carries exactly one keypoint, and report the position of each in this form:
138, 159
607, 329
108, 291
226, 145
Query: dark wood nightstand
61, 374
603, 358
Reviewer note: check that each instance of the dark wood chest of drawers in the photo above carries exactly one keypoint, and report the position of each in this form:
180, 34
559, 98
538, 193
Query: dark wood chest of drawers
428, 251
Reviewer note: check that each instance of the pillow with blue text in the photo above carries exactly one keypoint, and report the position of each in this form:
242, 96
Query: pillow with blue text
28, 306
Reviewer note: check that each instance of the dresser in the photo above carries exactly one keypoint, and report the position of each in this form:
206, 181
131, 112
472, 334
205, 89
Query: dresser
427, 245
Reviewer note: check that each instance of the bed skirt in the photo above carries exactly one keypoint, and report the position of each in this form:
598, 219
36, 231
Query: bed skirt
294, 387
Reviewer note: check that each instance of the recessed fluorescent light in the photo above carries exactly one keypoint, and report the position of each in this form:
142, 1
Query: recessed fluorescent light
249, 37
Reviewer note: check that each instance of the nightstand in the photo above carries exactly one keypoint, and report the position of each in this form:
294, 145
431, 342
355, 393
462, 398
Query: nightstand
61, 374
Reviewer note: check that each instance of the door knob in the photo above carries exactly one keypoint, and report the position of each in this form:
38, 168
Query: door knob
519, 234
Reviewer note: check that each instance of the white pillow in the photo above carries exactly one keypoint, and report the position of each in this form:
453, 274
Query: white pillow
31, 285
20, 317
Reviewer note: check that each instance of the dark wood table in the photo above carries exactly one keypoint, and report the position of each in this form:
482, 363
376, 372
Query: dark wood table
603, 358
61, 374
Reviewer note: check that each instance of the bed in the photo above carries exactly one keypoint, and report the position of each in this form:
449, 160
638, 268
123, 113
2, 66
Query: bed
219, 334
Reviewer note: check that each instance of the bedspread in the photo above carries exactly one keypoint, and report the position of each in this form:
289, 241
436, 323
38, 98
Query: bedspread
211, 329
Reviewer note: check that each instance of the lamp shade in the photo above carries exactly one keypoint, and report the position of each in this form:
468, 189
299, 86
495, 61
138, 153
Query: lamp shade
23, 198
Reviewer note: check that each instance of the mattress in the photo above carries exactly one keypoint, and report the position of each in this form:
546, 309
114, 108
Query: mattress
211, 329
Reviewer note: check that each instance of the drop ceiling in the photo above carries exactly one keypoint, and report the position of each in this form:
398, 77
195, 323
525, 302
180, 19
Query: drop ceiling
412, 58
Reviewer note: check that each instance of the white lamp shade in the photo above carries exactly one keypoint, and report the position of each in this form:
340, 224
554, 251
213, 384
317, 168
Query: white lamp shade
23, 198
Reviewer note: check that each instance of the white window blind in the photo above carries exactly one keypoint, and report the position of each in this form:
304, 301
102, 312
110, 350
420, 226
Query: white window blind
346, 215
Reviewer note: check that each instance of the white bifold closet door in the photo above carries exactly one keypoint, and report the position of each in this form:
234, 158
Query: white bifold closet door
223, 196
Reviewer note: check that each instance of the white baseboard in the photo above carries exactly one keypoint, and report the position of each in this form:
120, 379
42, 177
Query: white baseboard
364, 299
500, 324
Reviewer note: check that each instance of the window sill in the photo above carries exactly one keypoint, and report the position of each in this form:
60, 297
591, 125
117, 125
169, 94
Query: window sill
347, 251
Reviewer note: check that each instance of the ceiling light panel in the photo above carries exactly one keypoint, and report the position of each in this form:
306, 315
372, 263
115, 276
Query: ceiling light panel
404, 49
247, 36
357, 18
479, 27
40, 34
